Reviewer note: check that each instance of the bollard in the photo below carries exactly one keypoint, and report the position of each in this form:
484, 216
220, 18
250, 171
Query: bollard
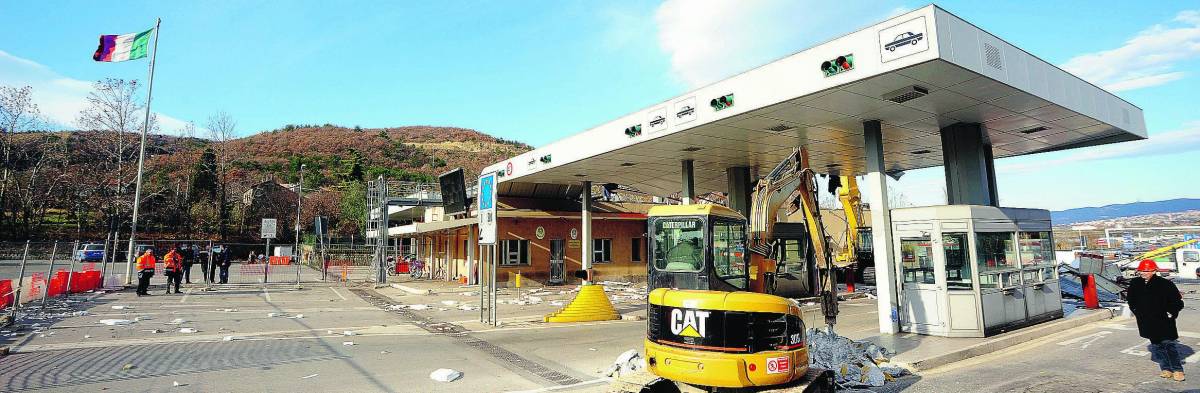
518, 285
1091, 300
71, 272
53, 253
20, 278
850, 278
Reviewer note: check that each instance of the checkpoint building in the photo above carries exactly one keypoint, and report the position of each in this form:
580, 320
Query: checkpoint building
919, 90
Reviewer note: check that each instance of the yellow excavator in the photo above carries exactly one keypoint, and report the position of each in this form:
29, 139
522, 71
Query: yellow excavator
855, 256
713, 319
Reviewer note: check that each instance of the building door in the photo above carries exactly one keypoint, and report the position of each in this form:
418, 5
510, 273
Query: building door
556, 261
921, 291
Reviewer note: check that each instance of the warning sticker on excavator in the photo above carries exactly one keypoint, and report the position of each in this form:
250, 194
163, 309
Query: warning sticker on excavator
778, 365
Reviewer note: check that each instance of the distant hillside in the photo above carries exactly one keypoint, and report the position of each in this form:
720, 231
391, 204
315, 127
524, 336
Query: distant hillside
1083, 214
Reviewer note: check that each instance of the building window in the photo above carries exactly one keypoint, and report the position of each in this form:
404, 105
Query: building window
601, 250
636, 249
514, 252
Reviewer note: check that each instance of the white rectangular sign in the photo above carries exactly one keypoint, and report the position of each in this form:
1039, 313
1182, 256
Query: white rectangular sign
268, 228
487, 208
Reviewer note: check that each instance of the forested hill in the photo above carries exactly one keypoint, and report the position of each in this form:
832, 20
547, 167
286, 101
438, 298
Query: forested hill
79, 184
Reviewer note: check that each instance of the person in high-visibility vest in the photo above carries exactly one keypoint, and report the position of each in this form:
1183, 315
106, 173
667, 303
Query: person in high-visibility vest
173, 269
145, 265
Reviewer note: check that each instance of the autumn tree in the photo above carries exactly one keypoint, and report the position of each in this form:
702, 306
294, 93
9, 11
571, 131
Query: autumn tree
221, 130
17, 113
112, 120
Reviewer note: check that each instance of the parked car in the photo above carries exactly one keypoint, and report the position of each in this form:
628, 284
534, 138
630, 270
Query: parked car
91, 252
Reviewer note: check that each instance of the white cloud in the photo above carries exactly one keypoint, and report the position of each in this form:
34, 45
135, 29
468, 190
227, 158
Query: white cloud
711, 39
1183, 140
58, 97
1147, 59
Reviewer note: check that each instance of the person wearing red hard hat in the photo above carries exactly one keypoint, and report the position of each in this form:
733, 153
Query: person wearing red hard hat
1156, 303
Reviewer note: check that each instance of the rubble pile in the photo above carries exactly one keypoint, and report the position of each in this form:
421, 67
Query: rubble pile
627, 363
854, 363
625, 292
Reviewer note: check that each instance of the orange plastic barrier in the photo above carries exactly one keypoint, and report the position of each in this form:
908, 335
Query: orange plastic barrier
58, 284
284, 260
6, 297
37, 285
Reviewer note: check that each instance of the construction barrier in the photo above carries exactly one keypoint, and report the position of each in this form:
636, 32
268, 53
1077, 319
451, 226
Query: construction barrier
58, 284
6, 295
281, 260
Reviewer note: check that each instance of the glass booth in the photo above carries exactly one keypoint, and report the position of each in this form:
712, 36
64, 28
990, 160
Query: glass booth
974, 271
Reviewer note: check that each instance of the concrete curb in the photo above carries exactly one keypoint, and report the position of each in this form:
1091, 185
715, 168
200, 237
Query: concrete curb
412, 290
1009, 340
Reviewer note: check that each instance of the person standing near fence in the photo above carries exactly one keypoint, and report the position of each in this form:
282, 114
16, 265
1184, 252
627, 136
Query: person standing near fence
189, 259
223, 261
1156, 303
145, 265
173, 269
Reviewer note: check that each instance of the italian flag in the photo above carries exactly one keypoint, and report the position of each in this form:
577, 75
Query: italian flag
123, 47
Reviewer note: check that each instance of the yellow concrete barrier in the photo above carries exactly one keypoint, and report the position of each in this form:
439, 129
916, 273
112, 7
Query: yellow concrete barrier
590, 304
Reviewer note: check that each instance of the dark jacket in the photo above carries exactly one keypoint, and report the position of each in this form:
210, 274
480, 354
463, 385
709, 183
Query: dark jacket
1156, 303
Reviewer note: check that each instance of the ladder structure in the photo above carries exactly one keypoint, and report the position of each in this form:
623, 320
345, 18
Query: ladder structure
382, 194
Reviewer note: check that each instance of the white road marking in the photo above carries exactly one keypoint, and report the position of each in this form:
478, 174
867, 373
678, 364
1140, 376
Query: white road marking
267, 294
1193, 359
185, 295
335, 291
1086, 340
563, 387
1136, 350
1116, 326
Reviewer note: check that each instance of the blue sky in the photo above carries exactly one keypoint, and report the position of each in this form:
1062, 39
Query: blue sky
537, 71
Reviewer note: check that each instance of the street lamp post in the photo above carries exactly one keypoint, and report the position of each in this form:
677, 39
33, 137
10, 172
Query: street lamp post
296, 247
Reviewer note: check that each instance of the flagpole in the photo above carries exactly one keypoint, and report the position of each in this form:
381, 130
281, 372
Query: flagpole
137, 192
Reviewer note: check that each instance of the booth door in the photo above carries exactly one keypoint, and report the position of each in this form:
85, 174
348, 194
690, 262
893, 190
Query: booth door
556, 262
921, 293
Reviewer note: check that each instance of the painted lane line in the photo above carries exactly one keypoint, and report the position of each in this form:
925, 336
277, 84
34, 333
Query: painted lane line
335, 291
267, 294
1086, 340
185, 295
563, 387
1134, 329
1193, 359
1136, 350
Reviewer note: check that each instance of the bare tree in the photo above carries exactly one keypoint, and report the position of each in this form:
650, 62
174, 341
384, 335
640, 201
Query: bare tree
17, 113
114, 116
221, 128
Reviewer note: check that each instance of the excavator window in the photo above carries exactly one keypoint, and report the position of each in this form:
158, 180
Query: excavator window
679, 245
729, 252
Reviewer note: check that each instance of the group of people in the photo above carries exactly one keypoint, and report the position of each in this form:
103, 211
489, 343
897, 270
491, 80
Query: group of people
177, 266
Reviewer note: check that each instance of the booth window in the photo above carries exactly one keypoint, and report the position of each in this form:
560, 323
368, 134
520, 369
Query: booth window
791, 254
958, 261
729, 252
995, 251
1036, 249
635, 251
601, 250
678, 245
514, 252
915, 256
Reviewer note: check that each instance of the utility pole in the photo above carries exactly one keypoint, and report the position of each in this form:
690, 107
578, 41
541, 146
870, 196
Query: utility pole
296, 247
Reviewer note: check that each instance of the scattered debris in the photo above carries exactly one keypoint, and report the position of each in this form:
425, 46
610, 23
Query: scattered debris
139, 319
177, 321
384, 352
128, 366
418, 307
81, 313
176, 384
557, 303
297, 316
309, 376
187, 330
450, 302
347, 343
348, 333
231, 338
227, 309
445, 375
591, 349
467, 307
120, 307
115, 322
87, 336
153, 331
273, 315
854, 363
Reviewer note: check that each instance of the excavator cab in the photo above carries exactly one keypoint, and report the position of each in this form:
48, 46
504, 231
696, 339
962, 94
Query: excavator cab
699, 247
